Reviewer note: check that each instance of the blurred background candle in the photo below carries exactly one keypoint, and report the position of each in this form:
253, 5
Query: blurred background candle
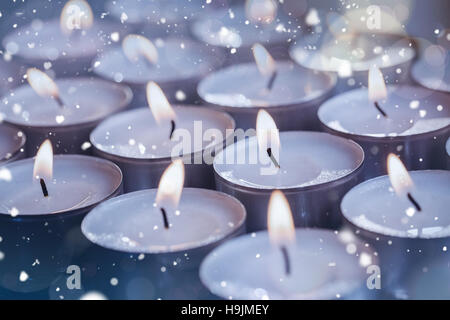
176, 64
350, 56
66, 45
286, 263
291, 94
64, 111
404, 216
12, 144
237, 28
410, 121
42, 203
10, 74
144, 141
313, 169
161, 240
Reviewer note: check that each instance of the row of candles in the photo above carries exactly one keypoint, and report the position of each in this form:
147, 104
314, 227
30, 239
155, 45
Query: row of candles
317, 172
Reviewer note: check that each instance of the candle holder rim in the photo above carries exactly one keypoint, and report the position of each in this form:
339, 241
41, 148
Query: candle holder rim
23, 140
306, 100
198, 245
287, 190
124, 89
165, 159
400, 235
68, 213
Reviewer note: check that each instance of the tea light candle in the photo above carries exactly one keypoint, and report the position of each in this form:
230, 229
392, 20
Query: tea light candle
64, 111
40, 234
176, 64
238, 28
143, 141
173, 227
315, 171
404, 217
292, 98
67, 45
315, 264
416, 125
12, 143
351, 56
10, 76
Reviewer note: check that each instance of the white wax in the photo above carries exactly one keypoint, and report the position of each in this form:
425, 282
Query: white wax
324, 265
351, 52
44, 40
230, 28
11, 140
86, 100
374, 206
78, 182
177, 60
243, 86
134, 223
136, 134
306, 159
10, 75
411, 110
433, 69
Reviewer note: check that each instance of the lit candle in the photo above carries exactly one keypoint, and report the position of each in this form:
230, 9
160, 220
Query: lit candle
291, 94
42, 203
64, 111
351, 55
12, 143
66, 46
143, 141
176, 64
238, 28
314, 170
286, 263
405, 218
161, 239
412, 122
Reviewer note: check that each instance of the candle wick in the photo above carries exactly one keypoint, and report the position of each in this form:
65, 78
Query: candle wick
376, 104
75, 35
272, 78
59, 101
172, 129
44, 187
287, 261
165, 220
414, 202
275, 162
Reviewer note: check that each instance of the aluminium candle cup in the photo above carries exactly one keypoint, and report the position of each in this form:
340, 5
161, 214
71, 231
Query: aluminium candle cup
87, 102
41, 237
317, 169
240, 90
12, 144
149, 261
181, 65
142, 149
416, 129
407, 241
230, 29
351, 56
324, 265
43, 44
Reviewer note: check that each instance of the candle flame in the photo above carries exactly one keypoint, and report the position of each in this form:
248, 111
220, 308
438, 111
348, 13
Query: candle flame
398, 175
135, 46
158, 103
279, 220
264, 61
42, 84
76, 15
267, 132
43, 163
377, 87
171, 185
258, 11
